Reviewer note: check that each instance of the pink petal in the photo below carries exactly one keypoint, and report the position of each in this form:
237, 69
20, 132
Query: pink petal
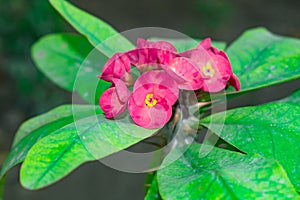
186, 73
219, 63
151, 55
198, 55
115, 67
206, 44
110, 103
164, 91
147, 59
139, 94
160, 83
149, 117
222, 66
234, 81
223, 54
213, 85
222, 73
162, 45
121, 90
132, 55
152, 58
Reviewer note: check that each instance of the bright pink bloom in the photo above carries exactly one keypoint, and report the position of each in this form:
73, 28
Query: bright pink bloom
114, 100
154, 93
220, 66
163, 73
204, 67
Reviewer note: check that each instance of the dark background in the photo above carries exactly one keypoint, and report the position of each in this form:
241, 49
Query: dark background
25, 92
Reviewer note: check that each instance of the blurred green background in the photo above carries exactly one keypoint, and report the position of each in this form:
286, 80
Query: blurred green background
25, 92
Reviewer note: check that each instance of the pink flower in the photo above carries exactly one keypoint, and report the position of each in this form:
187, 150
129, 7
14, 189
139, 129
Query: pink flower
200, 69
163, 72
215, 69
114, 100
219, 71
204, 67
154, 93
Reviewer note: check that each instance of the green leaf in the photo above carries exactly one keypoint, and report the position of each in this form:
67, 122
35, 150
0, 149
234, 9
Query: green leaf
64, 59
294, 98
41, 120
271, 130
59, 57
88, 139
222, 174
2, 183
89, 87
41, 126
152, 193
260, 59
183, 44
94, 29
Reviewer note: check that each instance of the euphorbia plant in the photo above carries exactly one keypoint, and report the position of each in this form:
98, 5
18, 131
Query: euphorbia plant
167, 89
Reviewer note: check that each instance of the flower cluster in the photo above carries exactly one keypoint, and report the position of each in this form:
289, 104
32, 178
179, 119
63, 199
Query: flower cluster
163, 72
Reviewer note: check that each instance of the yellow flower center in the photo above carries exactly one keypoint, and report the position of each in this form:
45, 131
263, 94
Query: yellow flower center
150, 101
208, 70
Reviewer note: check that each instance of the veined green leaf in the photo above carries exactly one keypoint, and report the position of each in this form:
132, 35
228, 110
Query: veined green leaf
87, 84
260, 58
59, 57
87, 139
36, 122
41, 126
222, 174
65, 59
94, 29
271, 130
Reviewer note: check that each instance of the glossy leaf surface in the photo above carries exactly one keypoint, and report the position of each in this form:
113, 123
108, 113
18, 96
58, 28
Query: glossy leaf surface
41, 126
260, 58
271, 130
87, 139
94, 29
222, 174
70, 62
